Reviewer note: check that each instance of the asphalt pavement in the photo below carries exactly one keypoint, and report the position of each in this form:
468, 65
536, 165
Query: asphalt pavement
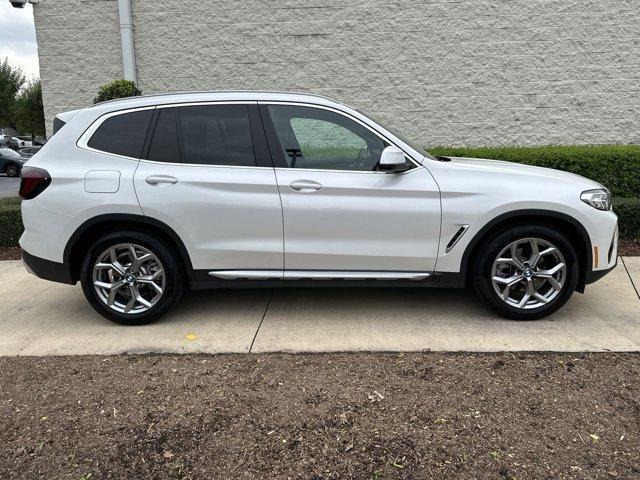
9, 186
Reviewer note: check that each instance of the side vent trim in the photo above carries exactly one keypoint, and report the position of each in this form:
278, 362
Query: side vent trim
456, 237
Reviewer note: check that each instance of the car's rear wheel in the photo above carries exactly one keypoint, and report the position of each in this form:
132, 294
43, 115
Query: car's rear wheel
12, 170
131, 278
526, 272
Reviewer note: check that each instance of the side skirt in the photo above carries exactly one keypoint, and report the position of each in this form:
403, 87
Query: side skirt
204, 281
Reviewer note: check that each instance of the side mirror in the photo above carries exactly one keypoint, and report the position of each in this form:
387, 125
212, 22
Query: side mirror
392, 160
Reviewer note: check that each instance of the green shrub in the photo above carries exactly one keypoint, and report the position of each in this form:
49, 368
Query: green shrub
117, 89
615, 166
628, 211
10, 222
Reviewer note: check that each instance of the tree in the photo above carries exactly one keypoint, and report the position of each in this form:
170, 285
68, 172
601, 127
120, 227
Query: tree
11, 81
117, 89
29, 109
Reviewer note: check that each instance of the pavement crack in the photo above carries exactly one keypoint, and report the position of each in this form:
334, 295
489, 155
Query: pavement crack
264, 314
630, 278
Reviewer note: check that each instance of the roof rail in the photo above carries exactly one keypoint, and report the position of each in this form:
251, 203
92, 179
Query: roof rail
155, 95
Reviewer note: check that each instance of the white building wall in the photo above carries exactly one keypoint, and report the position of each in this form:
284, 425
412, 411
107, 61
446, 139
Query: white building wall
446, 72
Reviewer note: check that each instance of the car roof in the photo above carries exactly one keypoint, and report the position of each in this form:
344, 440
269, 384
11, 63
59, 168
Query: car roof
222, 95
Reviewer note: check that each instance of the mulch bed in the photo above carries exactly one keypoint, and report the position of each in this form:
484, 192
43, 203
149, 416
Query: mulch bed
629, 248
9, 253
360, 416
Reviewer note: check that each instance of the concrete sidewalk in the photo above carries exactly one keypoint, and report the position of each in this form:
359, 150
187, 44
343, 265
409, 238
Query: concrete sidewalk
44, 318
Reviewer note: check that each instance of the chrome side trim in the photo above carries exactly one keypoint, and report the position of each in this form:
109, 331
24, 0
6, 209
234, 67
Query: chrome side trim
316, 275
456, 237
358, 275
246, 274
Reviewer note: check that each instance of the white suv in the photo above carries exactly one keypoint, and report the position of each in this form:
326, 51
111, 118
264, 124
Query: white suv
141, 198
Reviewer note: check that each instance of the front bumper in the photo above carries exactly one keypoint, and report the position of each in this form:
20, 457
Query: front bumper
46, 269
609, 256
595, 275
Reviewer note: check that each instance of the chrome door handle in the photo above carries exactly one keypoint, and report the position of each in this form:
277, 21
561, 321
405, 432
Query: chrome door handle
299, 185
156, 179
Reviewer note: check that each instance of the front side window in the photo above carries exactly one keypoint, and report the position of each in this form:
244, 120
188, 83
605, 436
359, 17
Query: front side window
122, 134
315, 138
216, 135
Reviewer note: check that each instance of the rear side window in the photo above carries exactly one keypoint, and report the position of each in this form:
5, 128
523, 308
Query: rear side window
122, 134
217, 135
164, 145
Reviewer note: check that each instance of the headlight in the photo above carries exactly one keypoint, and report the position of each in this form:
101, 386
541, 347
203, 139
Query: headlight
599, 198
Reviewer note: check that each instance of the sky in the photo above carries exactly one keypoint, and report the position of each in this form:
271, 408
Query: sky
18, 38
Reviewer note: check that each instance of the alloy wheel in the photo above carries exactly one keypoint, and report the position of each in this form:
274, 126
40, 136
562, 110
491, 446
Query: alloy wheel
529, 273
12, 170
129, 278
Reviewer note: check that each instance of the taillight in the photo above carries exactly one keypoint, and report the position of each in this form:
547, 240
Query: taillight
33, 182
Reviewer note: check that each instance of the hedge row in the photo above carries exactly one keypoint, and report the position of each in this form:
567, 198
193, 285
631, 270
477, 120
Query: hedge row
615, 166
10, 222
627, 209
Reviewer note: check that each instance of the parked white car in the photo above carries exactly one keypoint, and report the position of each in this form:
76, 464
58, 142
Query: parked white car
141, 198
23, 141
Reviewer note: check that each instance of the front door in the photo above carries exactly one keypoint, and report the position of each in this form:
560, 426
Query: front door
207, 174
340, 213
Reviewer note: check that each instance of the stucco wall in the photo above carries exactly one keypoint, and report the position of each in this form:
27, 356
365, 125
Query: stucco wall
79, 49
466, 72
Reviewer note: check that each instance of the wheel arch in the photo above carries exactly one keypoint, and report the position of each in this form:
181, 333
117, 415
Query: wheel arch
87, 233
558, 220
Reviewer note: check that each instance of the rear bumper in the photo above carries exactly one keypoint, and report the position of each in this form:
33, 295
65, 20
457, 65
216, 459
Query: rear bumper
46, 269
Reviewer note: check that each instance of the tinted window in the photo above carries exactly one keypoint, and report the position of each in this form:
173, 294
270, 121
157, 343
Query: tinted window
217, 135
122, 134
164, 145
57, 125
322, 139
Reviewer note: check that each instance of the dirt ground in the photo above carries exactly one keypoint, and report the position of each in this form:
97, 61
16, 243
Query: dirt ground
9, 253
629, 248
360, 416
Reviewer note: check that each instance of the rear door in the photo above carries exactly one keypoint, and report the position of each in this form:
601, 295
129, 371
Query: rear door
342, 216
208, 175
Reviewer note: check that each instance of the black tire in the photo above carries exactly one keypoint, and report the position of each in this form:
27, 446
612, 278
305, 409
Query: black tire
482, 272
174, 277
12, 170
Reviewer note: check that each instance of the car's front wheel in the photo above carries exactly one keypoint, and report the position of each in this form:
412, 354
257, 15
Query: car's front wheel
526, 272
131, 278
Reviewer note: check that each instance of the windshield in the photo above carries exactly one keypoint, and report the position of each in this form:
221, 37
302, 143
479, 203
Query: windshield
7, 152
412, 144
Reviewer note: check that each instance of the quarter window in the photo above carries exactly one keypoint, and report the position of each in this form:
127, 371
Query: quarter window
217, 135
314, 138
122, 134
